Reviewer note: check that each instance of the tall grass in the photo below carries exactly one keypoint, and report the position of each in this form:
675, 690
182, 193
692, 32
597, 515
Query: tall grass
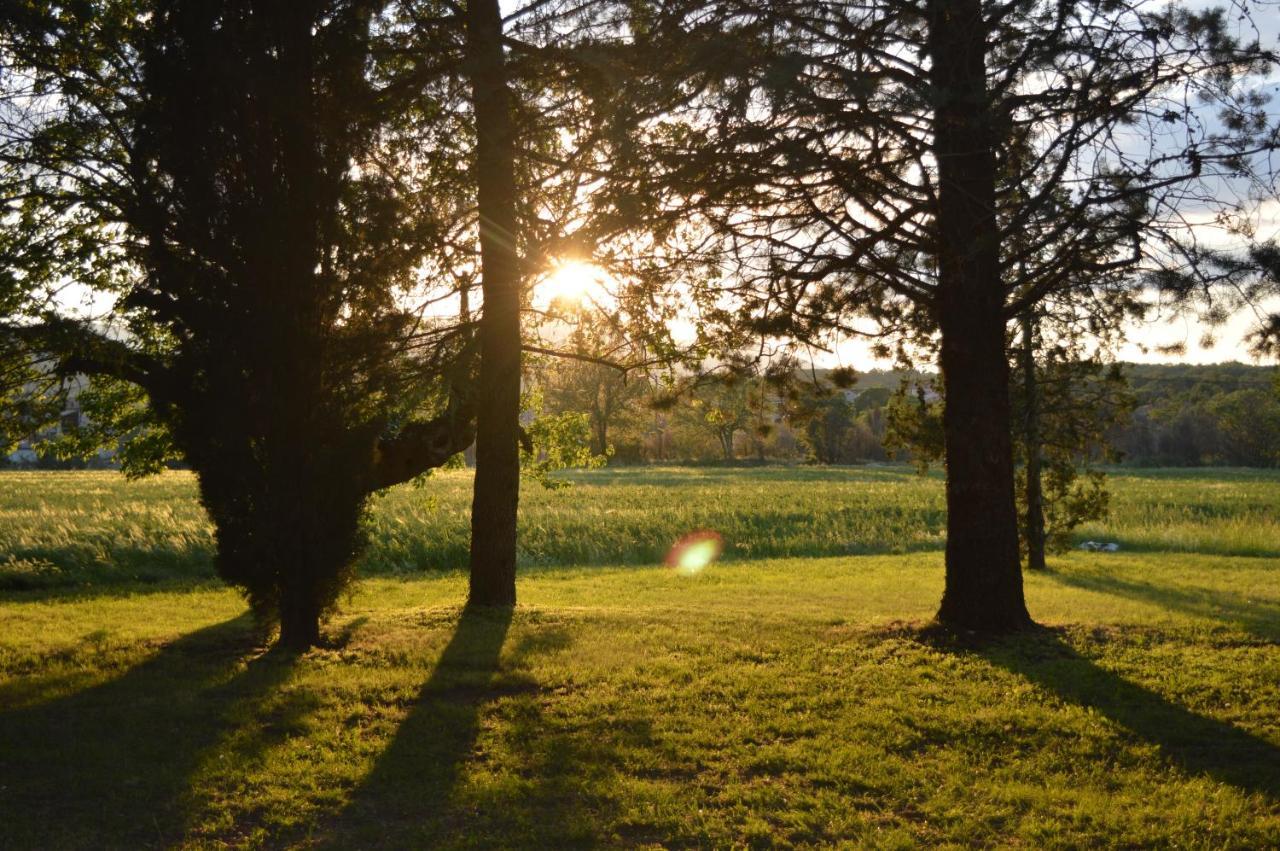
74, 528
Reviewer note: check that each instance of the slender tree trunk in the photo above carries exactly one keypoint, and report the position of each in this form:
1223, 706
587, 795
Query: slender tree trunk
760, 424
497, 482
983, 572
600, 415
1033, 530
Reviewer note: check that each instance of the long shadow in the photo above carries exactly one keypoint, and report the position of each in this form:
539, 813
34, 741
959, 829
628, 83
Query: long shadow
569, 795
1197, 744
566, 794
1259, 617
109, 766
403, 802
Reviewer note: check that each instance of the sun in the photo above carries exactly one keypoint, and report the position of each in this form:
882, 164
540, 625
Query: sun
572, 281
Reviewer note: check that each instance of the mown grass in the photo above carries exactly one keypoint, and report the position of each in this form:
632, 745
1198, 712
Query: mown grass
768, 701
73, 529
777, 702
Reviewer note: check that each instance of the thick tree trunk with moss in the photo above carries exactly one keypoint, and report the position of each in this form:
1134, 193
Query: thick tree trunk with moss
1033, 521
983, 572
497, 483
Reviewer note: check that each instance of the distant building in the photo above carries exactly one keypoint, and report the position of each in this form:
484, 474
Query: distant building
28, 453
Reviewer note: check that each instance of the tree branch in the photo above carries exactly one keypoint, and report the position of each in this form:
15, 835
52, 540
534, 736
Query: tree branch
78, 349
612, 364
421, 446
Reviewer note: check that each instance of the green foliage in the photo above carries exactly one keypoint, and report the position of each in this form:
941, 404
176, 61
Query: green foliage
1196, 415
1182, 415
556, 442
1249, 422
116, 416
827, 424
1072, 498
719, 408
840, 431
914, 418
29, 404
1080, 402
615, 402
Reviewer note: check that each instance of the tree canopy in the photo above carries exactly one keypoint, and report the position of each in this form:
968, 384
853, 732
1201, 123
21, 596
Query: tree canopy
226, 178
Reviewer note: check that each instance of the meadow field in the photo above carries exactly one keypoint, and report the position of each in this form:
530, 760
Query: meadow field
790, 695
78, 529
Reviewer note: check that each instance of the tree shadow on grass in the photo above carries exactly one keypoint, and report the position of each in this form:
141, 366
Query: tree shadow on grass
1196, 743
404, 800
1259, 617
109, 766
558, 763
547, 784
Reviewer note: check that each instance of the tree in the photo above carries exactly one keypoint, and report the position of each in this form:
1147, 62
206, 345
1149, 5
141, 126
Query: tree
1065, 405
497, 483
1249, 423
1186, 414
942, 166
827, 428
227, 174
720, 408
520, 89
591, 381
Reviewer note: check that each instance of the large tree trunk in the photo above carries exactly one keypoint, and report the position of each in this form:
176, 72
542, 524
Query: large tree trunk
983, 574
1033, 523
497, 483
299, 620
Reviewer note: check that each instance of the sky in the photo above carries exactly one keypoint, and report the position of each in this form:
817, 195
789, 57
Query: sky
1229, 346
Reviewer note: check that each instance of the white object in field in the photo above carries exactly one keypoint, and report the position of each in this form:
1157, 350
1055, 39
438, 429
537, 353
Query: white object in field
1099, 547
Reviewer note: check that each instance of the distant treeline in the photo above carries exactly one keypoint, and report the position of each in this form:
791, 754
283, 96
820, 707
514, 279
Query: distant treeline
1184, 415
1201, 415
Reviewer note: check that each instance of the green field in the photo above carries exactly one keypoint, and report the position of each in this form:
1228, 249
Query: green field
789, 695
76, 528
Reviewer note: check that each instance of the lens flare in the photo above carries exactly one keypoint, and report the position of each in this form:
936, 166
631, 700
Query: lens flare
695, 551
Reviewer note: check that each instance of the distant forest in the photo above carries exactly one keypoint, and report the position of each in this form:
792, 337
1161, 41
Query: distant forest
1191, 416
1183, 415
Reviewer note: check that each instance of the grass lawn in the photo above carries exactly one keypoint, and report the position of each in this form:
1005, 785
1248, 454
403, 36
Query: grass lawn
790, 699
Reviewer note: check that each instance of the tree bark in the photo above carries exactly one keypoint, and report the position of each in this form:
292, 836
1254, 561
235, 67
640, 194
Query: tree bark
420, 446
299, 621
1033, 523
497, 483
983, 572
